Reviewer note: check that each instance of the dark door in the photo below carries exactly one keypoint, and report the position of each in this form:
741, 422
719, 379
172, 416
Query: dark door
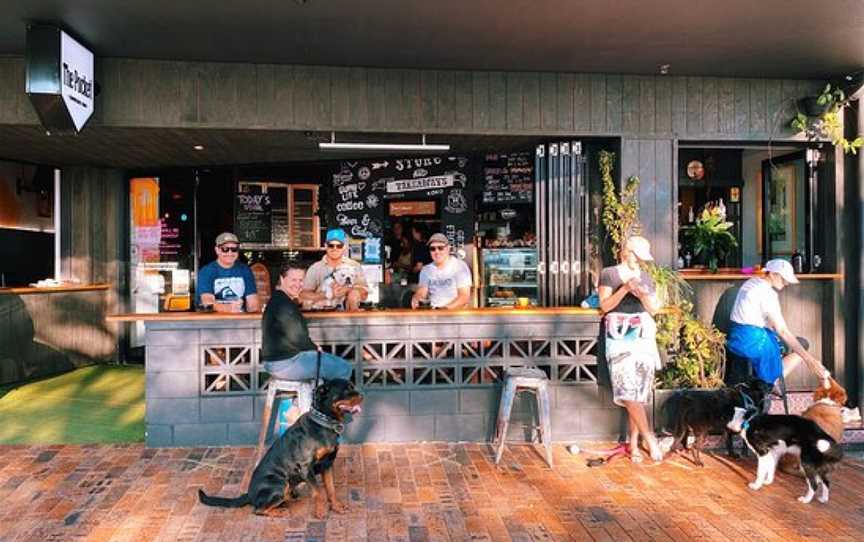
792, 219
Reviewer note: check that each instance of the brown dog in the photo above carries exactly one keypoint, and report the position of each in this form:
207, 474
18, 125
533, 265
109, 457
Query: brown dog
825, 411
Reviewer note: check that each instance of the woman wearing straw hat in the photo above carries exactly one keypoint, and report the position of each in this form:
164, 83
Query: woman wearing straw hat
628, 301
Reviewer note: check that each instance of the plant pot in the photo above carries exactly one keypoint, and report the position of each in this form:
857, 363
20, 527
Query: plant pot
811, 107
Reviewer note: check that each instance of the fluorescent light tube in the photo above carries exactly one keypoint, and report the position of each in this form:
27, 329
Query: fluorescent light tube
333, 145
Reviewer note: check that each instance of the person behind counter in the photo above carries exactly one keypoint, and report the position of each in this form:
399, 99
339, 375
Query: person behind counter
628, 301
335, 280
226, 284
446, 282
419, 251
287, 350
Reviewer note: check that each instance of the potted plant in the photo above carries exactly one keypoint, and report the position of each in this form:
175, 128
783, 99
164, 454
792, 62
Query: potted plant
710, 237
821, 118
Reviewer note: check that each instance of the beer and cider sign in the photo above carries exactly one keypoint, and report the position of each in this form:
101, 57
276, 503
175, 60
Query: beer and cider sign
59, 79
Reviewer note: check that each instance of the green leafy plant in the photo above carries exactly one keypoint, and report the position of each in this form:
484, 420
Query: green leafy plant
828, 124
700, 362
620, 213
675, 294
710, 236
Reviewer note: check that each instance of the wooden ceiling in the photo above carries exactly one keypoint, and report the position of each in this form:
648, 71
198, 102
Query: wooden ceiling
794, 39
130, 148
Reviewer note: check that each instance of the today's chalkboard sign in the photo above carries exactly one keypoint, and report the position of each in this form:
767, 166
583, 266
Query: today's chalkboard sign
508, 178
252, 218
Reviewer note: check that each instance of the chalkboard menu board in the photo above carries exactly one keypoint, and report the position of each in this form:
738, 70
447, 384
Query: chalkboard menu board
508, 178
252, 222
361, 190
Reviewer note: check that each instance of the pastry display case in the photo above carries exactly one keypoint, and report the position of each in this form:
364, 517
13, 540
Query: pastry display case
509, 274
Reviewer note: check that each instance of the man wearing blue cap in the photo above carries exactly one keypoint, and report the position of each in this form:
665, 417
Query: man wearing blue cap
336, 280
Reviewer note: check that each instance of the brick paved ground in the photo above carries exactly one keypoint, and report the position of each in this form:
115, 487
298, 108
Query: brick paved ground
413, 492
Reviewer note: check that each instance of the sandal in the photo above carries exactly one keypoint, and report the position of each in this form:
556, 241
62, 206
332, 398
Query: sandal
636, 455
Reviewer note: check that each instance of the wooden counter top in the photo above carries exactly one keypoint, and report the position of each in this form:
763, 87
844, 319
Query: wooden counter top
737, 275
55, 289
202, 316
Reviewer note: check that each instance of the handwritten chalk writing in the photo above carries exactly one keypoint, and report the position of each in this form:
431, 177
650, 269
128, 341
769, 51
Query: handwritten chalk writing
425, 183
350, 206
254, 202
411, 163
345, 220
342, 178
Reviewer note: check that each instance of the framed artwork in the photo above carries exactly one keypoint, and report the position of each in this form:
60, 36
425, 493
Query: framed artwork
781, 218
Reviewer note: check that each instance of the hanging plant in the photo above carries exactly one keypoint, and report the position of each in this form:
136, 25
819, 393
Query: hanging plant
821, 119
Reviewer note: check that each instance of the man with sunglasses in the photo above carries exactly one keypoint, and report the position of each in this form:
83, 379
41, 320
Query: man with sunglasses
446, 282
335, 280
226, 284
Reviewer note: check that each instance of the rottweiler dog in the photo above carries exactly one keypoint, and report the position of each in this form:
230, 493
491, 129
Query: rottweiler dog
304, 450
702, 411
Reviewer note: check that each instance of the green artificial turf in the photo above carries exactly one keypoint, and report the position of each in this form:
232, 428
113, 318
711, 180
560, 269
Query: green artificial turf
88, 405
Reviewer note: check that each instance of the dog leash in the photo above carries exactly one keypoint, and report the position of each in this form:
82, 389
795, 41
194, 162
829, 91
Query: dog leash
749, 405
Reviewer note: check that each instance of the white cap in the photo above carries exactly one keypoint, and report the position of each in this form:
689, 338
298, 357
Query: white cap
640, 247
782, 268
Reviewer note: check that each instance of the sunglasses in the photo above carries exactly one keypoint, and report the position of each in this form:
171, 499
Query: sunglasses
436, 248
335, 245
226, 250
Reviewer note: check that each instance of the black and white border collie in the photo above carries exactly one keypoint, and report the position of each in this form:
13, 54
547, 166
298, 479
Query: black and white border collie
772, 436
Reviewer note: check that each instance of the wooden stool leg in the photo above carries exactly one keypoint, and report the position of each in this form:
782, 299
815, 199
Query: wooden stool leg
544, 409
265, 419
506, 405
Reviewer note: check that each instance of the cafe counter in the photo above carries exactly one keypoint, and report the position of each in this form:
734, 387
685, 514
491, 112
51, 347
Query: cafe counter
426, 374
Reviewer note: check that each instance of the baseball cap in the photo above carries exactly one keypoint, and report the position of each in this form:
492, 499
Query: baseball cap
782, 268
336, 234
226, 237
438, 238
640, 247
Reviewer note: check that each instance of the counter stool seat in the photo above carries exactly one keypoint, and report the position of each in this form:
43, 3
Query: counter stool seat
302, 390
524, 379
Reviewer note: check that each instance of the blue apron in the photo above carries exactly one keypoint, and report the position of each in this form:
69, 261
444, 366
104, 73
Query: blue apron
758, 345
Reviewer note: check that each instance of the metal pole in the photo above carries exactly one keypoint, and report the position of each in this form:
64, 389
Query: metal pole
58, 259
859, 243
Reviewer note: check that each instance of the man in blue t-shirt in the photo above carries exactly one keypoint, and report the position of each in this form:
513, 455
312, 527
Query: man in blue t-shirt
226, 284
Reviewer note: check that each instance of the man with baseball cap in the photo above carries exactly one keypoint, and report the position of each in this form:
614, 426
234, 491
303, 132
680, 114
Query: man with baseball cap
226, 284
335, 280
446, 282
758, 331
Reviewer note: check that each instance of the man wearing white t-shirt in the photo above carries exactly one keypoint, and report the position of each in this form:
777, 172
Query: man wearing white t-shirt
757, 326
446, 282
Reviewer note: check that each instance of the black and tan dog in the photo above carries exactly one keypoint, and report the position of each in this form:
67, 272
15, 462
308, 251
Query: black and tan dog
701, 412
306, 449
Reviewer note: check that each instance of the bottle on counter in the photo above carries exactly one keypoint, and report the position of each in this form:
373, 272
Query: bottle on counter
798, 262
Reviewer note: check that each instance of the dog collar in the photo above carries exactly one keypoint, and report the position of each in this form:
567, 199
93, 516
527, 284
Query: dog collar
326, 421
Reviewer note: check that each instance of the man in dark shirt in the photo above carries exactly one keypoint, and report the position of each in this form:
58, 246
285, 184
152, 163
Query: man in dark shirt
286, 349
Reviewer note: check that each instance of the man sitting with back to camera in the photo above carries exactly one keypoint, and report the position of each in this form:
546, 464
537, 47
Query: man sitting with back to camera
446, 282
335, 280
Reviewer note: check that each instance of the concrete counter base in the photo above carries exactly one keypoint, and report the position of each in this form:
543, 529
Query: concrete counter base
425, 377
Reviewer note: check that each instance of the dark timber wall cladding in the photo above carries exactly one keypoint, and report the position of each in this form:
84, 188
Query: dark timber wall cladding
177, 94
93, 216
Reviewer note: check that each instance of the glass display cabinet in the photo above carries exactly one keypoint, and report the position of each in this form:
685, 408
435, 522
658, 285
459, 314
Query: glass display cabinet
508, 274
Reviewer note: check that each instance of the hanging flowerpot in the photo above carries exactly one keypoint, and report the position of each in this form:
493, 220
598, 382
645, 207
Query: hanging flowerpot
811, 107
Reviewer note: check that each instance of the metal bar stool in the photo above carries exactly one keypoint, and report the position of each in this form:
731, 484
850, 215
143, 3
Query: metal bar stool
302, 390
524, 379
